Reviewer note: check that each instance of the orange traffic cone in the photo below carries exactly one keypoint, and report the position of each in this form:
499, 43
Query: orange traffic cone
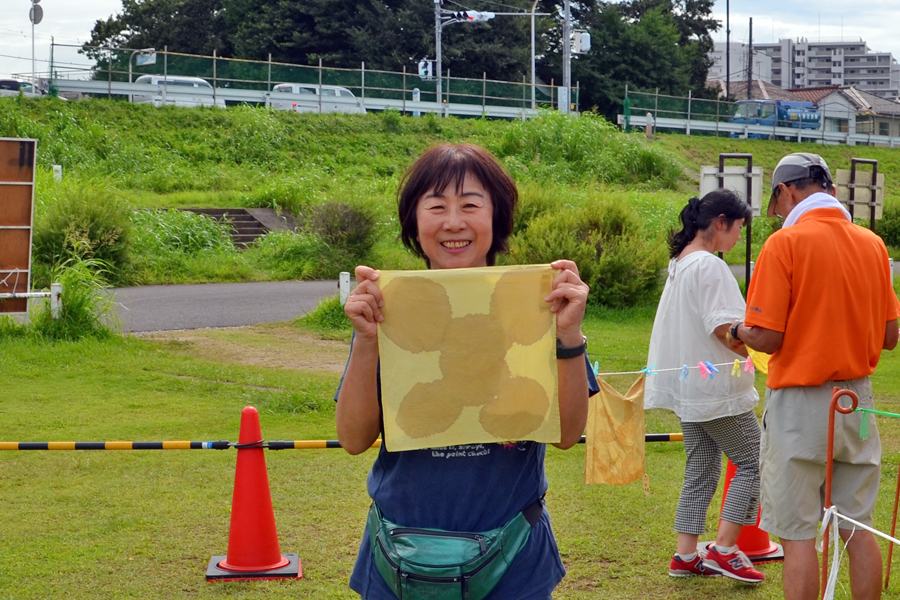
752, 541
253, 551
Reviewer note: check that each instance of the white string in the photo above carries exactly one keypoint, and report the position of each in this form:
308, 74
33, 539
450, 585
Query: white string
832, 518
654, 370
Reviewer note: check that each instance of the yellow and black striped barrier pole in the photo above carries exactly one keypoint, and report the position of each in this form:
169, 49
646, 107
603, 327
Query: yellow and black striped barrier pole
219, 445
225, 444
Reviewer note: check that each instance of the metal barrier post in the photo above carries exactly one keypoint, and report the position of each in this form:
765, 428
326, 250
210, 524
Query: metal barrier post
56, 290
344, 285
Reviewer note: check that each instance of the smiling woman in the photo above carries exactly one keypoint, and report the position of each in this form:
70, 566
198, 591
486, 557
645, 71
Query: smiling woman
456, 207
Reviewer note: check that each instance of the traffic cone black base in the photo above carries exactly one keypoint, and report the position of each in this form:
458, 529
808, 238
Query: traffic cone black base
293, 570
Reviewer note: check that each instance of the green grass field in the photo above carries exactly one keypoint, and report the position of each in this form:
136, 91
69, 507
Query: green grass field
144, 524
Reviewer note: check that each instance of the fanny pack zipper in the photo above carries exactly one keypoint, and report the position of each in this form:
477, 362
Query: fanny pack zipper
428, 532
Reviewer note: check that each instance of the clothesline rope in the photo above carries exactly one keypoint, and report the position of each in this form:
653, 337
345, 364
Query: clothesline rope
652, 370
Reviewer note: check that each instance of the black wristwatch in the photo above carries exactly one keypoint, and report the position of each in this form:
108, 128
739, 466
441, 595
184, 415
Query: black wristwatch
734, 329
563, 353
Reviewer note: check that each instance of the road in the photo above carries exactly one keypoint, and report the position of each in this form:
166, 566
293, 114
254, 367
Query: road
167, 307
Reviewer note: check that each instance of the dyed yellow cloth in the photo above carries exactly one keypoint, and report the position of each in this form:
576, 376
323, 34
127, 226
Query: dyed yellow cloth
614, 452
468, 356
760, 360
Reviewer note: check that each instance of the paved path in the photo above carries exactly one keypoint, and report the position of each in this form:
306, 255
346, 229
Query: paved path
166, 307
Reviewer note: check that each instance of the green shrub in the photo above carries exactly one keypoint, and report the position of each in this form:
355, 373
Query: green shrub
83, 222
328, 320
343, 227
888, 227
391, 121
288, 255
614, 254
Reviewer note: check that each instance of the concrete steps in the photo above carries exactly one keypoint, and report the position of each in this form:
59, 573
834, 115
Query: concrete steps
247, 224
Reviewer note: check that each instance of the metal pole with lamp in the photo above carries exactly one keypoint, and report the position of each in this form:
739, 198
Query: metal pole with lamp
437, 48
565, 93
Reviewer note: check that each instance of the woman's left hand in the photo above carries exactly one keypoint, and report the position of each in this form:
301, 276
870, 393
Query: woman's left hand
568, 299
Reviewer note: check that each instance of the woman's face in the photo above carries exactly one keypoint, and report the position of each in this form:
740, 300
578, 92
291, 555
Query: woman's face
729, 236
456, 230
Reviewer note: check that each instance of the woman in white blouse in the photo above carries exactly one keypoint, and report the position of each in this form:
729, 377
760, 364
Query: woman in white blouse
700, 301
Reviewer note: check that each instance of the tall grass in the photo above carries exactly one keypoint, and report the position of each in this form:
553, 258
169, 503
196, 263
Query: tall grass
87, 310
557, 147
173, 246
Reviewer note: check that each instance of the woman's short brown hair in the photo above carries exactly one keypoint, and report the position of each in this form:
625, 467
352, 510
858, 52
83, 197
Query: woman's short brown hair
448, 164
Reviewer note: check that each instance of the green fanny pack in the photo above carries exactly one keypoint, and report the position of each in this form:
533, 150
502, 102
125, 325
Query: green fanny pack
434, 564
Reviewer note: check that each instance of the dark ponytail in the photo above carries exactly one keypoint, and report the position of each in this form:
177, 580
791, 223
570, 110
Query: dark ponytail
699, 214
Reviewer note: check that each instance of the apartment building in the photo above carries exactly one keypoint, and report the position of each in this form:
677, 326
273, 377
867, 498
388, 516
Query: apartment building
804, 64
737, 61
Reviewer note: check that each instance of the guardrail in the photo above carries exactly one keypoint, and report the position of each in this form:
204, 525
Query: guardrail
171, 94
805, 135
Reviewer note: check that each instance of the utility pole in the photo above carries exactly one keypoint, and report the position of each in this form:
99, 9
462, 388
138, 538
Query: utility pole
567, 59
533, 6
727, 51
750, 64
437, 46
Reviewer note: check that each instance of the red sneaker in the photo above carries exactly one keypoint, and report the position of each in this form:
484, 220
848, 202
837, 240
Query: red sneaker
735, 565
687, 568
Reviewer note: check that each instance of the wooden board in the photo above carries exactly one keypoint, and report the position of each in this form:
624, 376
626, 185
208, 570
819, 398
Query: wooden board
15, 249
15, 205
17, 160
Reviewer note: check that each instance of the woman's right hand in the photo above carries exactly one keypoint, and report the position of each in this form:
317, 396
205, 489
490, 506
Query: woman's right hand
364, 303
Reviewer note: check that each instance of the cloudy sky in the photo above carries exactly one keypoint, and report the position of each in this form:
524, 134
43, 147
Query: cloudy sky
71, 21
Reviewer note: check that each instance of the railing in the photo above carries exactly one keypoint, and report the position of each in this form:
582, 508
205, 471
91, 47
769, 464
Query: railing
687, 115
234, 79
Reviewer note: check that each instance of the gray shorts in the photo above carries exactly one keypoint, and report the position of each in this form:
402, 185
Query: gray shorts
793, 453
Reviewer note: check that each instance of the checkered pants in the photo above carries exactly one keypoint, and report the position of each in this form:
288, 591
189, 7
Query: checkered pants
736, 436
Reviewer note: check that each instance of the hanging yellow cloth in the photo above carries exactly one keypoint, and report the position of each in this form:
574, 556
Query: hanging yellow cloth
614, 452
468, 356
760, 360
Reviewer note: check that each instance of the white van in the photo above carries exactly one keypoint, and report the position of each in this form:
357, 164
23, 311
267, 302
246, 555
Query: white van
176, 90
304, 97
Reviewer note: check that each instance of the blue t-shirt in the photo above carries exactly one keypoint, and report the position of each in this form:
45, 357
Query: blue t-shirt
474, 487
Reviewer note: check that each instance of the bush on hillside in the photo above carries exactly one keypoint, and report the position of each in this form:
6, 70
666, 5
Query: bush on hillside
288, 255
614, 254
343, 227
83, 222
570, 149
888, 227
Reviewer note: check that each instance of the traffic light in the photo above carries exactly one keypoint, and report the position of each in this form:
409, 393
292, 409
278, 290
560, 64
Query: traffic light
473, 16
425, 69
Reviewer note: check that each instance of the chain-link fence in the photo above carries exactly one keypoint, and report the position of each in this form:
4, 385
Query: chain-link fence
676, 107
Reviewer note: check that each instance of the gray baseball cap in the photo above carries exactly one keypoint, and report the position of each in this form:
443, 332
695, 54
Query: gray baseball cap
791, 168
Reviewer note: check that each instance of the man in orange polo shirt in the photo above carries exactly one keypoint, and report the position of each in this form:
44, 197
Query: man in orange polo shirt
821, 301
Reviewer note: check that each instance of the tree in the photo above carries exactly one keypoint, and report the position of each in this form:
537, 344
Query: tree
189, 26
646, 44
385, 34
